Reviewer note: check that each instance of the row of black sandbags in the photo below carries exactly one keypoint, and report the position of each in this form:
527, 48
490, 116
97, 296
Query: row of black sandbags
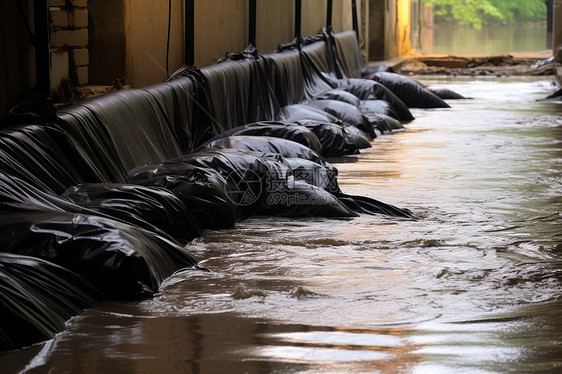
122, 240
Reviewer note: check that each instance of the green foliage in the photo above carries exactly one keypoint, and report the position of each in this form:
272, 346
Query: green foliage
478, 12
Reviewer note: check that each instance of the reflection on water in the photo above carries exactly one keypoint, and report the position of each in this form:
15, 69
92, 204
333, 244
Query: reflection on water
471, 285
489, 40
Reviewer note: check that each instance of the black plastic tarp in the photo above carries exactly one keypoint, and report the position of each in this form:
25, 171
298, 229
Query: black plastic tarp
277, 129
203, 190
120, 260
411, 92
345, 112
37, 297
338, 139
367, 90
152, 208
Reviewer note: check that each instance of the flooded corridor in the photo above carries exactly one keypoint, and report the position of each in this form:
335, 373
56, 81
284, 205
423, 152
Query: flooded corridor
471, 285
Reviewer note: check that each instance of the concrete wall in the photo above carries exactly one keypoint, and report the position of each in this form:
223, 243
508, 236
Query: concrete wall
389, 29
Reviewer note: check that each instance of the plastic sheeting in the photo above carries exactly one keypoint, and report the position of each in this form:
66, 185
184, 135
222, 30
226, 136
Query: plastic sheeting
134, 191
411, 92
345, 112
348, 53
33, 153
340, 95
119, 259
300, 199
277, 129
295, 78
203, 190
369, 90
154, 209
37, 297
445, 93
268, 145
336, 139
262, 182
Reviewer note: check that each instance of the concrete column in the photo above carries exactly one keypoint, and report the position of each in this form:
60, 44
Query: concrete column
557, 26
376, 30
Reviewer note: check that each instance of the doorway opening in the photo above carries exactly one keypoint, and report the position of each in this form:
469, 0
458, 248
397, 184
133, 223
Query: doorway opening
485, 28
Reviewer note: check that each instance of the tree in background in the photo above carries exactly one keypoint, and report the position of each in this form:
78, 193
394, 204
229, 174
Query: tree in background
478, 12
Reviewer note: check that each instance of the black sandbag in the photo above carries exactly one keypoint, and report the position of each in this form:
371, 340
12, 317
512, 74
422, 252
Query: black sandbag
300, 199
377, 107
277, 129
557, 96
284, 148
345, 112
263, 182
37, 297
298, 112
321, 177
247, 173
18, 191
445, 93
151, 209
340, 95
338, 140
381, 116
367, 205
314, 174
120, 260
203, 190
384, 123
366, 89
32, 153
367, 71
154, 209
411, 92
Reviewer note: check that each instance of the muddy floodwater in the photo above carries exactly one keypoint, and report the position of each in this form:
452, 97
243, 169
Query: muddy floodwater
471, 285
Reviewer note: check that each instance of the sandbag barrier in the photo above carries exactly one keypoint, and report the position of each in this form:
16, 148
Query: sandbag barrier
100, 199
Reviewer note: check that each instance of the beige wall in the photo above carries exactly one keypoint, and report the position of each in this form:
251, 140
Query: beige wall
275, 24
341, 15
145, 34
220, 27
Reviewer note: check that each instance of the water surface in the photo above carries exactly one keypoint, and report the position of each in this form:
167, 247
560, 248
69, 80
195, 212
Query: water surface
486, 41
471, 285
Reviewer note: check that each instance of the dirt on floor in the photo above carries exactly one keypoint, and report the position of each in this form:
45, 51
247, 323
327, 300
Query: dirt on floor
502, 65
